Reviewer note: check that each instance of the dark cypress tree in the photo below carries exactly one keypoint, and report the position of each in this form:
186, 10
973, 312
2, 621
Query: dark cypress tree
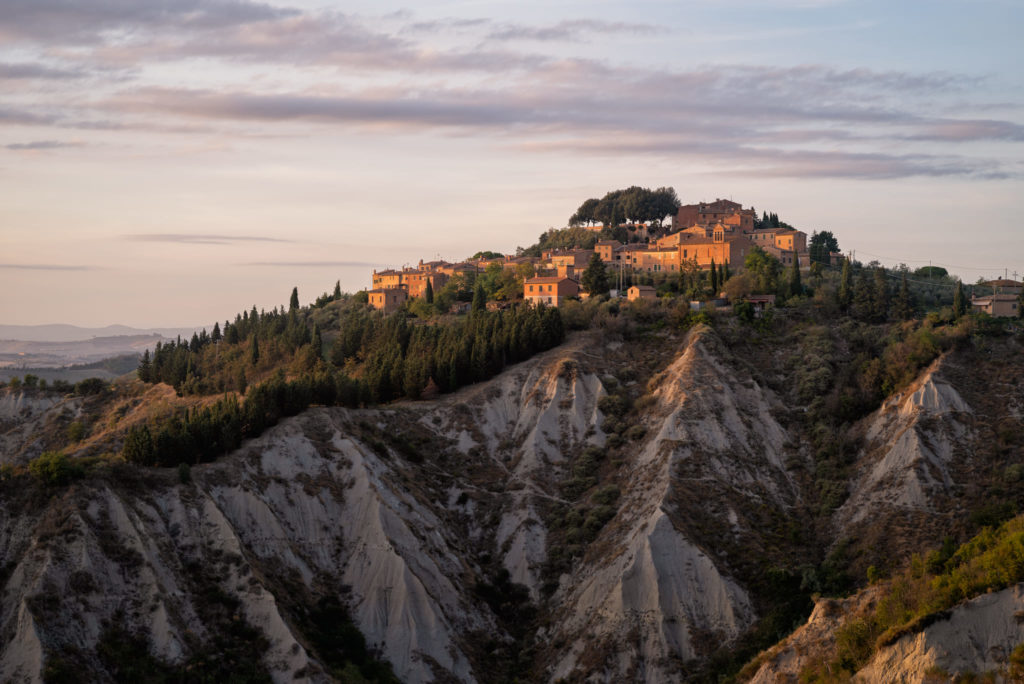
845, 294
337, 290
880, 296
595, 276
145, 371
863, 304
795, 286
138, 446
429, 295
902, 307
254, 350
1020, 304
317, 342
293, 303
714, 278
479, 298
215, 335
959, 300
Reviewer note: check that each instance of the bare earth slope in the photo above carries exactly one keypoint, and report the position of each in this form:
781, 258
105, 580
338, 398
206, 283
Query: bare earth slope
417, 516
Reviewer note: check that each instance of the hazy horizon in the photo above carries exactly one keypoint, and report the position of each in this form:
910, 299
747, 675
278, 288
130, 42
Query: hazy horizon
180, 162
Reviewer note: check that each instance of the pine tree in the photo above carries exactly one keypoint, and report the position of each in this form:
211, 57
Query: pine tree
959, 301
429, 295
254, 350
337, 290
293, 303
795, 286
215, 335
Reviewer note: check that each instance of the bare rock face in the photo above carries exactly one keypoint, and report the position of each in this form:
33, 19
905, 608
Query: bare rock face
418, 517
977, 636
22, 416
397, 513
910, 444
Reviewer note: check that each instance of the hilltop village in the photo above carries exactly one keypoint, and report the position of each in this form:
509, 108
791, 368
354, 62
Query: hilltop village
701, 237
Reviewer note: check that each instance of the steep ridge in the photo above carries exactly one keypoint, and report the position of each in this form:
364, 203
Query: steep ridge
648, 598
24, 420
409, 515
399, 513
904, 487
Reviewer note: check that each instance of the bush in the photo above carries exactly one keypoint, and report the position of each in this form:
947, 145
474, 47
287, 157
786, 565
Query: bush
76, 431
55, 469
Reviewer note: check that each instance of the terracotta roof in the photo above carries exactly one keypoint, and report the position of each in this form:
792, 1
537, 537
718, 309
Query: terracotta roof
547, 279
995, 298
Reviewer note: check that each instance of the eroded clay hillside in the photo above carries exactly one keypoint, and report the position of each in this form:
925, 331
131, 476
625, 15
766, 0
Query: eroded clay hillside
645, 509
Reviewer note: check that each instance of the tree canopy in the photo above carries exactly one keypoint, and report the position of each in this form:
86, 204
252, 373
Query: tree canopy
821, 247
633, 205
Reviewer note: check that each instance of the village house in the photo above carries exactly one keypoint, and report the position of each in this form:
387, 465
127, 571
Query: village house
719, 211
608, 250
997, 305
641, 292
549, 290
416, 282
412, 280
386, 279
388, 299
577, 258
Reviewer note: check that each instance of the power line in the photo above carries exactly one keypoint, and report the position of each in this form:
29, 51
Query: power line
934, 263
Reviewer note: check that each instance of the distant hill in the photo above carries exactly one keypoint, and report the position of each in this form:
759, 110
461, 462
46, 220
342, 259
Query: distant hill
18, 355
60, 332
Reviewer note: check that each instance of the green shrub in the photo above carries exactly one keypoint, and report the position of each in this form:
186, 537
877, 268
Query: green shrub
76, 431
607, 495
55, 469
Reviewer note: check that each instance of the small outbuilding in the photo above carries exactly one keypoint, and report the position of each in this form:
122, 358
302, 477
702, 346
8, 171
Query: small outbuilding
641, 292
997, 305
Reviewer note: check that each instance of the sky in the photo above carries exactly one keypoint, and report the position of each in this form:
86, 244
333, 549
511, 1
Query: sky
174, 162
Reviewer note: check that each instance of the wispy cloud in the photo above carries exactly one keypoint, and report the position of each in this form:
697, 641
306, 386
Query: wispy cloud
50, 267
313, 264
561, 111
198, 238
88, 22
573, 30
387, 74
29, 70
37, 145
